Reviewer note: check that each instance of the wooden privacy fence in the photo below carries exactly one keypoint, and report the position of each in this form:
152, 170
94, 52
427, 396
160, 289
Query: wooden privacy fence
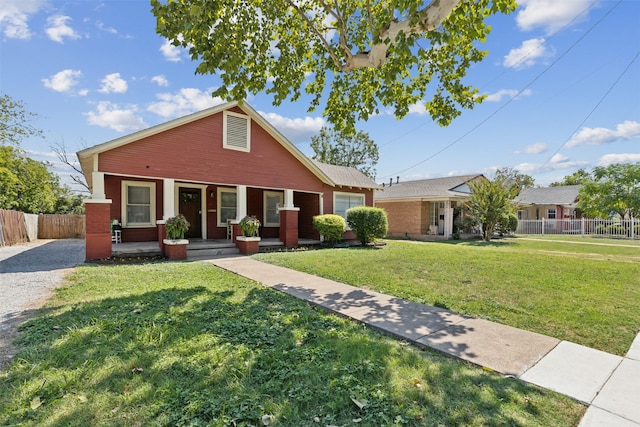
13, 228
54, 226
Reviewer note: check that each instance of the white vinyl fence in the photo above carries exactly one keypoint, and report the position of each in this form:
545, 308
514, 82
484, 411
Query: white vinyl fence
614, 228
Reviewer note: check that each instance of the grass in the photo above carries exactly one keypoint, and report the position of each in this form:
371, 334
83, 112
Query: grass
587, 294
188, 344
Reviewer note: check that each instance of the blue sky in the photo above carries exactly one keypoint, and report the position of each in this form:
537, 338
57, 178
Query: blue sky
562, 79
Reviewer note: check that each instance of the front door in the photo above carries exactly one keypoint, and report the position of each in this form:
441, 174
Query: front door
191, 208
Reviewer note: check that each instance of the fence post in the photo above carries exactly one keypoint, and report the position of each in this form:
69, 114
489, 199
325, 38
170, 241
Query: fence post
543, 226
582, 226
632, 228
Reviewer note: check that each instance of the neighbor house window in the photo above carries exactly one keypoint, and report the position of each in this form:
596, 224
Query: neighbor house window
236, 131
272, 200
435, 212
138, 204
344, 201
227, 205
551, 214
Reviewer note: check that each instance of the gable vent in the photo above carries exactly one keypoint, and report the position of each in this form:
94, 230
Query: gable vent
236, 131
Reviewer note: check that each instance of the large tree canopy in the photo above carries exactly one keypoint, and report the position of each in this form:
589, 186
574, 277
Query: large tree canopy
358, 151
491, 203
578, 177
393, 53
614, 190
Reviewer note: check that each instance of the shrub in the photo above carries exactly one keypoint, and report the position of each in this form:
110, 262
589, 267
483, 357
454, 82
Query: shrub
176, 227
508, 225
368, 223
330, 226
601, 229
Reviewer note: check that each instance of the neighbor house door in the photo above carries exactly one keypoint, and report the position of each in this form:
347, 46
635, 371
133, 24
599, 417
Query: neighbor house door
190, 206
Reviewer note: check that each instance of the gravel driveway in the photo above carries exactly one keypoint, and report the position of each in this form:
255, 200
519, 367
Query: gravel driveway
28, 275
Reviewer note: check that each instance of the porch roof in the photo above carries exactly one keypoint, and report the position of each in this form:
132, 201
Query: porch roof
565, 195
435, 188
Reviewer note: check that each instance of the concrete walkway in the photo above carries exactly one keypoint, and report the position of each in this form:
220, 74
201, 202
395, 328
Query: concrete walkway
609, 384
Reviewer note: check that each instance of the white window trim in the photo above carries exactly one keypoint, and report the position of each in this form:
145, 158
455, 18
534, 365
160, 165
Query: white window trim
152, 203
555, 213
225, 114
221, 190
264, 205
338, 193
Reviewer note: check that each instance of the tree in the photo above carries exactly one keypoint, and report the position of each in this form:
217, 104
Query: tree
15, 122
614, 190
357, 151
578, 177
28, 186
513, 180
60, 150
490, 204
366, 53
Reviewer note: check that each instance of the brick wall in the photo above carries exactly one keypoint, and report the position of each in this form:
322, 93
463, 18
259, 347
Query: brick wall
404, 217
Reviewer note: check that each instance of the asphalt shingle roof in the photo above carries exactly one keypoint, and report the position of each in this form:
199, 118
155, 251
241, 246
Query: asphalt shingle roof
562, 195
425, 188
346, 176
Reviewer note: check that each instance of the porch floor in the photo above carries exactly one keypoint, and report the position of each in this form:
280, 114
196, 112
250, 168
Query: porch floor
152, 248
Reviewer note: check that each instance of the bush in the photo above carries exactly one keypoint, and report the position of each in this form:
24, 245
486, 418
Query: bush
508, 225
330, 226
368, 223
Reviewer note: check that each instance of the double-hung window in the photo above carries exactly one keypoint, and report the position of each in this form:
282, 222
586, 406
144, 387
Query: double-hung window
138, 203
551, 213
227, 205
345, 201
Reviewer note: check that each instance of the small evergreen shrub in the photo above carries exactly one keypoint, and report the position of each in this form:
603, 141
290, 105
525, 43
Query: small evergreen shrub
368, 223
508, 225
330, 226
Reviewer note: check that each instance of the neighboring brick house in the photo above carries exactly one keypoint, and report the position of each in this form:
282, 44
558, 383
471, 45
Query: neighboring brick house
548, 203
424, 207
214, 167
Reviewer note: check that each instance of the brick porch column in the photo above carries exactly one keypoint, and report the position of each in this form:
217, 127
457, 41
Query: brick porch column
289, 226
162, 234
98, 228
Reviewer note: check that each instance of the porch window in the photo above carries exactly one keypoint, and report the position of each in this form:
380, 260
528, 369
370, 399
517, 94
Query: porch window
227, 205
435, 212
551, 213
236, 132
272, 200
344, 201
138, 204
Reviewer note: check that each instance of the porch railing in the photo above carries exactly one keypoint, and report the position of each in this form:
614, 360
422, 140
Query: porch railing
613, 228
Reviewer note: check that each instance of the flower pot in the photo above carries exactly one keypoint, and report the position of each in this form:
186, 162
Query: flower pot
248, 245
175, 249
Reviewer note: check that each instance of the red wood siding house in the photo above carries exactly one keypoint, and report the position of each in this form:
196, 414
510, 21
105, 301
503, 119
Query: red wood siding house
212, 166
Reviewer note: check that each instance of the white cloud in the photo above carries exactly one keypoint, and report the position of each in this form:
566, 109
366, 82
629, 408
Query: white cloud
113, 83
170, 52
507, 93
296, 130
537, 148
597, 136
558, 159
417, 108
557, 162
14, 15
527, 54
112, 116
185, 101
57, 28
63, 81
610, 159
160, 80
551, 15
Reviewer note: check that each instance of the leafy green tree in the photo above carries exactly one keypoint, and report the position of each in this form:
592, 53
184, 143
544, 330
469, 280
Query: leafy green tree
15, 122
364, 54
614, 190
336, 148
513, 180
578, 177
490, 205
27, 185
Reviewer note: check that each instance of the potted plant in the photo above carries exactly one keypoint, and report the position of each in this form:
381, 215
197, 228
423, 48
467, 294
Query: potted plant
176, 245
249, 242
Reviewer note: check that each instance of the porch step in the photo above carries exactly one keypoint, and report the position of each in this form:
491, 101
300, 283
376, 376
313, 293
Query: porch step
195, 254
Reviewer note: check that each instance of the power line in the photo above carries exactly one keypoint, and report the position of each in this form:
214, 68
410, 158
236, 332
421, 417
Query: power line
535, 79
592, 110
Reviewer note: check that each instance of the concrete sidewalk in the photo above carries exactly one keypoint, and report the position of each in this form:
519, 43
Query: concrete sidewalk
609, 384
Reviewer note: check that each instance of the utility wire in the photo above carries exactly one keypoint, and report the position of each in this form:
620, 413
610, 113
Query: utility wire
503, 106
591, 112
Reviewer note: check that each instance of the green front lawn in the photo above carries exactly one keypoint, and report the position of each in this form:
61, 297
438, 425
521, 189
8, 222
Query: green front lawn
188, 344
587, 294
